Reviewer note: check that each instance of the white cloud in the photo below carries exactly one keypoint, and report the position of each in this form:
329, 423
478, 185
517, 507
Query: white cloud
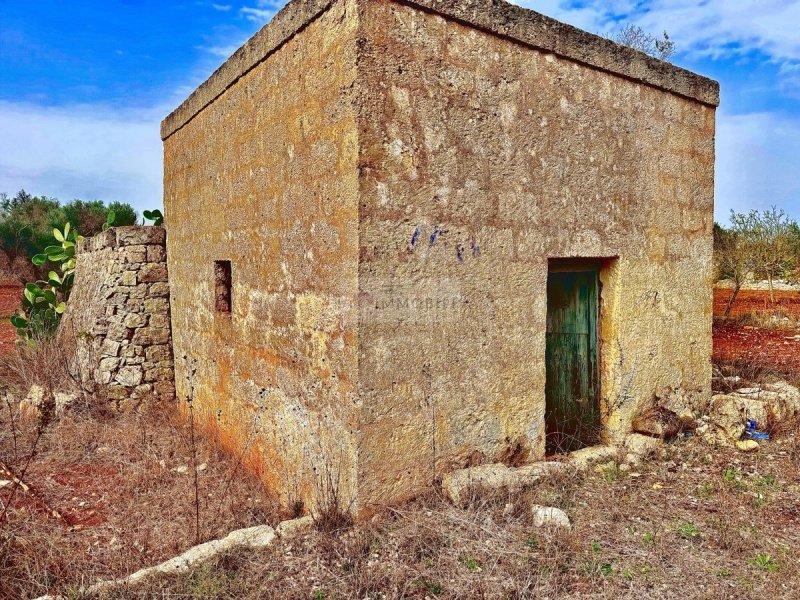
757, 163
716, 29
257, 14
114, 154
86, 152
221, 51
263, 11
727, 28
221, 7
789, 83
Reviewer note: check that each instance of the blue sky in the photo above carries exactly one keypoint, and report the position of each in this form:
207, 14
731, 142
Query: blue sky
84, 85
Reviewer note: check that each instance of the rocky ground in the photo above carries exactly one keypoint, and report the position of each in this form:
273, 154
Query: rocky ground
107, 495
710, 513
689, 521
697, 516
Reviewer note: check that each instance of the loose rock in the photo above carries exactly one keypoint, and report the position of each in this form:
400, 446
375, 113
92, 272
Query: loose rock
642, 445
289, 529
459, 485
658, 422
729, 414
549, 516
747, 445
38, 404
585, 457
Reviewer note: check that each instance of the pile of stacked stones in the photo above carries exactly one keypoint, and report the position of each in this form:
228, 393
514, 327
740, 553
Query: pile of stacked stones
120, 308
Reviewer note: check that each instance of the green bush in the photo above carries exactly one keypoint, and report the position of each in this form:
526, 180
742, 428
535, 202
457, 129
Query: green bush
44, 302
27, 222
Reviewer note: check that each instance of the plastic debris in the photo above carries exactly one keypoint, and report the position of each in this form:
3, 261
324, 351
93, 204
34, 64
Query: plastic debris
751, 431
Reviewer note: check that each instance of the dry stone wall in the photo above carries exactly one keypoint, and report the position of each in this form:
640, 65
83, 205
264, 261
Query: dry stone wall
119, 316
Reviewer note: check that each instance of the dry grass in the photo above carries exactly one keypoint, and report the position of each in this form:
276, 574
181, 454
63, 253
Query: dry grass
730, 376
699, 523
45, 363
124, 506
771, 319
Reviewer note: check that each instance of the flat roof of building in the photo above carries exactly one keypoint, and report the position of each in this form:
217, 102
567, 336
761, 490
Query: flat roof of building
497, 17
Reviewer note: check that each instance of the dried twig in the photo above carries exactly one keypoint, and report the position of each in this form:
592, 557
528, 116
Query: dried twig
8, 472
191, 371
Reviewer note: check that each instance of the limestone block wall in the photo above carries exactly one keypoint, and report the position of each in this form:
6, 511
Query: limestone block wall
119, 316
382, 184
488, 157
266, 176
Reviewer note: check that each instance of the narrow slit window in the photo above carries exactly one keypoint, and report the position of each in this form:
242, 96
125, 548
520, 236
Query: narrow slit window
222, 285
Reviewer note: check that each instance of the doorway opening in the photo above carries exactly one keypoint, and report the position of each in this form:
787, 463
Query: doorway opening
572, 386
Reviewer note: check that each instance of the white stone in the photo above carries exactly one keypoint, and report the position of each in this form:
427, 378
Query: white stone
252, 537
37, 404
748, 391
64, 401
747, 445
585, 457
108, 364
549, 516
632, 459
787, 403
110, 347
458, 485
133, 320
291, 528
729, 414
642, 445
129, 376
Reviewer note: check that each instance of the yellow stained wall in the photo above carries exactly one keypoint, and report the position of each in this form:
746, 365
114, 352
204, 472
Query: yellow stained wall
509, 156
265, 176
389, 185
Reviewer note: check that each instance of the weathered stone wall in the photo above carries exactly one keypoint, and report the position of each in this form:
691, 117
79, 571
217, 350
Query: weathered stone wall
389, 180
119, 316
266, 177
484, 158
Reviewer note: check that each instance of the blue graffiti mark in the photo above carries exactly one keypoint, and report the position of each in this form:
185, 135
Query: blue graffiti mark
434, 235
415, 237
460, 253
476, 249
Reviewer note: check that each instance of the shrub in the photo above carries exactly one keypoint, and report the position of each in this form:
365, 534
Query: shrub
44, 302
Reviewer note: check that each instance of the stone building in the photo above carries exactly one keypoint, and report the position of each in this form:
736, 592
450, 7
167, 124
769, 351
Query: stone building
407, 236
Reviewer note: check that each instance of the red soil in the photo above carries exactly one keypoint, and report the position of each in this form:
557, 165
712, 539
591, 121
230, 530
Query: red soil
772, 349
81, 493
757, 301
10, 294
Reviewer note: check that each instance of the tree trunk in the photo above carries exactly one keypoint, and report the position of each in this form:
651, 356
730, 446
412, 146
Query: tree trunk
736, 287
771, 290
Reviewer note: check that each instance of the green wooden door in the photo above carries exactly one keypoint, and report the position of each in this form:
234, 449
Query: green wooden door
573, 411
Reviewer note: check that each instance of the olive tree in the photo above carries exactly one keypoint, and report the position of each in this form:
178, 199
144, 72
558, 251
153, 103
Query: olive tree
732, 259
769, 239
